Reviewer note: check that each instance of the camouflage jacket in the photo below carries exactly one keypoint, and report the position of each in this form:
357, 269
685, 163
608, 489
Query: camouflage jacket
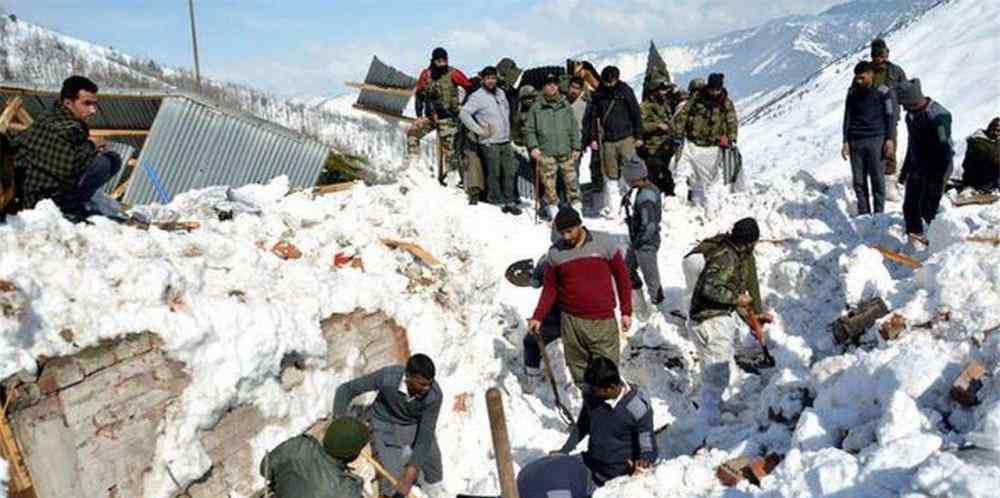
704, 120
54, 153
729, 270
654, 114
301, 468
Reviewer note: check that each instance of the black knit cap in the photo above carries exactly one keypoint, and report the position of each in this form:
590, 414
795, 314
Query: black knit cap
439, 53
610, 73
566, 218
745, 232
552, 78
716, 81
863, 67
879, 47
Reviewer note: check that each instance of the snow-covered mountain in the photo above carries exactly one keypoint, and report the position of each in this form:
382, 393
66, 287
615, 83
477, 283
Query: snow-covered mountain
775, 55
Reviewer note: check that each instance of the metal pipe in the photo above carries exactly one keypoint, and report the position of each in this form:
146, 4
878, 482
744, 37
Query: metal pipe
194, 43
501, 444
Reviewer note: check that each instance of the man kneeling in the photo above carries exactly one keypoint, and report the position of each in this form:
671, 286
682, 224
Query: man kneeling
59, 158
303, 467
619, 419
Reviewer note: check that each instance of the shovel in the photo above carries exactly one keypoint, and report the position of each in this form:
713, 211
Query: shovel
567, 416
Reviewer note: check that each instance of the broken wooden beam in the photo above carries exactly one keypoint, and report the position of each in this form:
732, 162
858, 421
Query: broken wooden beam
733, 471
976, 199
966, 387
857, 321
892, 328
333, 188
414, 250
9, 112
20, 478
899, 258
119, 133
399, 92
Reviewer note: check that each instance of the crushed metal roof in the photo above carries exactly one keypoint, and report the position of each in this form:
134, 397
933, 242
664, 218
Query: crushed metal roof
382, 74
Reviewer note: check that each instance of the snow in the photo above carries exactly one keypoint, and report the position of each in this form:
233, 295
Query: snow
3, 478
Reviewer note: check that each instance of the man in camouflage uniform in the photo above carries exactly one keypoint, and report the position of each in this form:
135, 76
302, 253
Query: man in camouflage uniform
553, 140
659, 140
303, 467
889, 75
437, 105
58, 157
726, 289
709, 125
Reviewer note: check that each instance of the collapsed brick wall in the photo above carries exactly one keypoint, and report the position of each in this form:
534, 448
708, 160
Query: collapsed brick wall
87, 426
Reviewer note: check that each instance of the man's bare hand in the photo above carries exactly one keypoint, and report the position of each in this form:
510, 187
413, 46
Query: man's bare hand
534, 326
889, 149
410, 475
536, 154
845, 152
744, 300
576, 156
98, 142
766, 318
626, 323
593, 145
639, 466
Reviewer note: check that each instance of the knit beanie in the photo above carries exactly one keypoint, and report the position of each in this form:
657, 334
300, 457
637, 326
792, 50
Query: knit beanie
696, 84
439, 53
635, 169
745, 232
879, 47
566, 218
716, 81
345, 438
610, 73
909, 93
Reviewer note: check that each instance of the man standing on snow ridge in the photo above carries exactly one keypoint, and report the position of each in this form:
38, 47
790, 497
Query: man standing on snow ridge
404, 415
437, 102
869, 135
929, 155
614, 122
487, 114
586, 268
889, 75
709, 125
303, 467
618, 417
554, 143
726, 288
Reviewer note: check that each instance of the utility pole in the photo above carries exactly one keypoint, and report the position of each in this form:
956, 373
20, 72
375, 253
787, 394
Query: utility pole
194, 43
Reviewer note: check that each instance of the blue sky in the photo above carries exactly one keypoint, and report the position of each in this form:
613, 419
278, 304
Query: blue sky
310, 47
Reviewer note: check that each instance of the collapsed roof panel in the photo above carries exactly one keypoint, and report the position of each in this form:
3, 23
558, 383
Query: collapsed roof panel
384, 75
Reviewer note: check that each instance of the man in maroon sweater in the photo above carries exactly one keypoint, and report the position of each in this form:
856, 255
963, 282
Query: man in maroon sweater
584, 270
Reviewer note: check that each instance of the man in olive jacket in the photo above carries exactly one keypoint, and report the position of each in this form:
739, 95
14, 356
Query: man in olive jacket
553, 138
726, 290
709, 124
981, 167
303, 467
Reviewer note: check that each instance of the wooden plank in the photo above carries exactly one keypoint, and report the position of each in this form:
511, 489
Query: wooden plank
333, 188
993, 241
976, 199
401, 92
899, 258
119, 133
415, 250
9, 112
383, 114
24, 117
11, 452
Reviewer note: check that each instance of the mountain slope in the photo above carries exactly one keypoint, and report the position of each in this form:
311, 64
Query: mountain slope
775, 55
952, 48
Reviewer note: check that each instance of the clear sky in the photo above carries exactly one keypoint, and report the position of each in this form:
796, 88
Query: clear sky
310, 47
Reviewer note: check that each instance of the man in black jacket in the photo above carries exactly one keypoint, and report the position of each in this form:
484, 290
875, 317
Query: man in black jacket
869, 136
929, 156
612, 126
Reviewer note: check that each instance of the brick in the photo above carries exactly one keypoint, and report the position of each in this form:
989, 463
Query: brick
731, 472
892, 328
96, 358
58, 374
133, 345
286, 250
966, 387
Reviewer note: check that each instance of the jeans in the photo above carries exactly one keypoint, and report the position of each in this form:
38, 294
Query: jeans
502, 173
923, 196
867, 165
104, 167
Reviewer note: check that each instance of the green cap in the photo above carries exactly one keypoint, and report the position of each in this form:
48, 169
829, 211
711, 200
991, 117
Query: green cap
345, 438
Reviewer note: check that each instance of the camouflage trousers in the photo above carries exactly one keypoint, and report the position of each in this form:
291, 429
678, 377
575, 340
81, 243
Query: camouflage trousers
566, 166
447, 130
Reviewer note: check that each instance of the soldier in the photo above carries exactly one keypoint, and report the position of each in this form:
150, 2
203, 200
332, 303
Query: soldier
618, 417
889, 75
553, 140
58, 157
929, 155
613, 128
404, 415
302, 467
709, 125
486, 113
658, 135
437, 105
725, 292
681, 171
869, 135
585, 271
643, 207
981, 167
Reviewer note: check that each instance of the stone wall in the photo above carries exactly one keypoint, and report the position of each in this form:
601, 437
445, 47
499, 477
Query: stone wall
87, 425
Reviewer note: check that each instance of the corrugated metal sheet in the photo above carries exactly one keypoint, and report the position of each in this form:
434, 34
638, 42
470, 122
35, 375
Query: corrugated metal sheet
192, 145
383, 74
126, 151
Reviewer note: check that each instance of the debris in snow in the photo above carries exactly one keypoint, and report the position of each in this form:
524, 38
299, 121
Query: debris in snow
857, 321
286, 250
967, 385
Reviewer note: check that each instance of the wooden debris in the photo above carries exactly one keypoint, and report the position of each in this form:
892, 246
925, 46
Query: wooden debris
20, 479
857, 321
7, 286
461, 404
286, 250
892, 328
899, 258
333, 188
341, 260
976, 199
731, 472
967, 385
993, 241
416, 251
